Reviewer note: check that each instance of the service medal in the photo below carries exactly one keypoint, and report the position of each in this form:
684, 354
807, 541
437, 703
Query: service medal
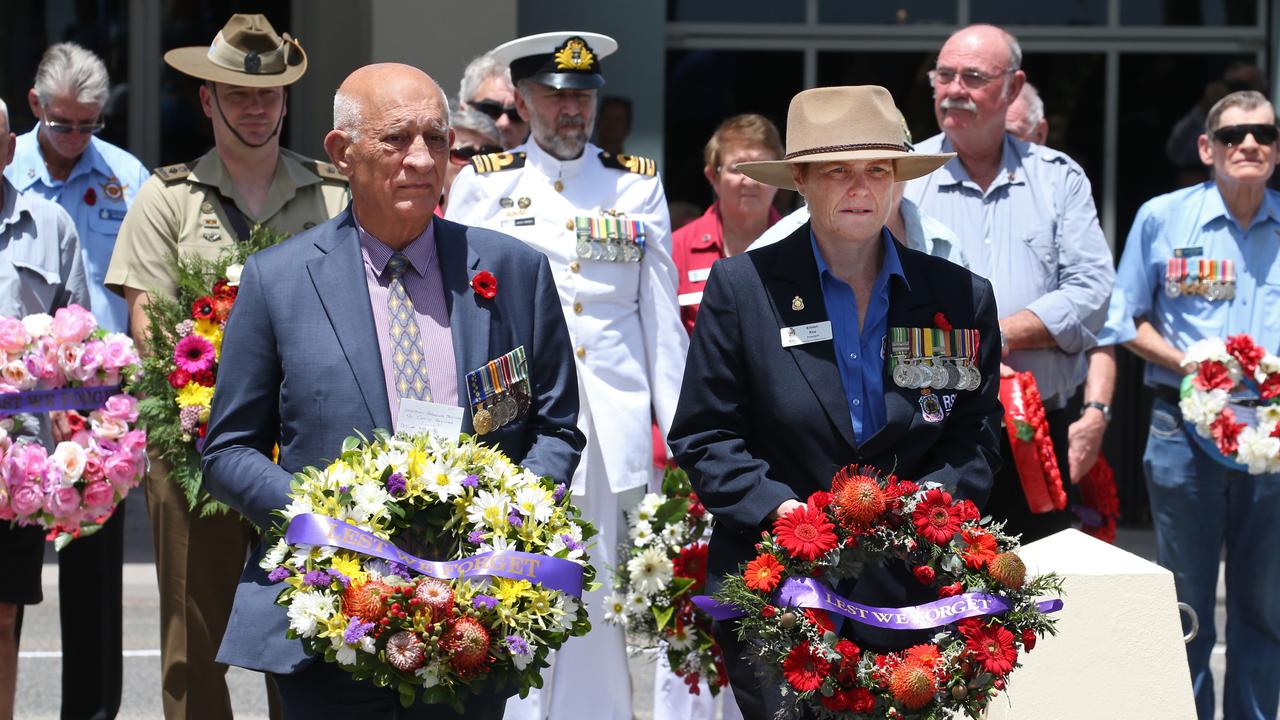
522, 403
953, 377
482, 421
937, 377
584, 249
902, 375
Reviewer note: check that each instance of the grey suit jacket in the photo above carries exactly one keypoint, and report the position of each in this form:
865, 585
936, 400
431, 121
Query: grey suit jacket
301, 369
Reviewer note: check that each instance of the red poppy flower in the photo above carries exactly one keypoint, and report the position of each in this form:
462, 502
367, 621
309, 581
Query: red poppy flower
805, 533
993, 648
763, 574
935, 517
179, 378
940, 322
90, 197
1246, 352
485, 284
1213, 375
202, 308
804, 668
981, 547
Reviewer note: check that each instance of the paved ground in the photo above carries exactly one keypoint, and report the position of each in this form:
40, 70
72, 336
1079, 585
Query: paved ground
39, 669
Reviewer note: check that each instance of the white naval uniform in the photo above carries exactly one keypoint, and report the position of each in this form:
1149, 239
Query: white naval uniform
630, 348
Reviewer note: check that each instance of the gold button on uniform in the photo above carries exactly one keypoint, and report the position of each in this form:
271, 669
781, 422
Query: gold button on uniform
581, 351
575, 266
577, 308
559, 186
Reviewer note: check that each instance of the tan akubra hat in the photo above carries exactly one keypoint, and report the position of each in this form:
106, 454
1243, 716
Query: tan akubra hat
857, 122
247, 52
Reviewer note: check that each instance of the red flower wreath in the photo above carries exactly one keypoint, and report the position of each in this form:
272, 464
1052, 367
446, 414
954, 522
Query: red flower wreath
485, 285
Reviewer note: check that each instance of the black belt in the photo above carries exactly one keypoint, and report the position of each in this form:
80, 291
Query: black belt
1167, 394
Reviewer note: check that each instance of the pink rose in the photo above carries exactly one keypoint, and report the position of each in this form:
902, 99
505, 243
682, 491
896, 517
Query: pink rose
16, 374
119, 352
26, 499
64, 504
90, 361
13, 335
72, 324
134, 442
69, 355
107, 427
98, 497
92, 468
121, 407
121, 470
28, 461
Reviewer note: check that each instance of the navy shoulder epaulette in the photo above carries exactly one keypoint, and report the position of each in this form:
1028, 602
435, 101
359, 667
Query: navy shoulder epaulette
496, 162
629, 163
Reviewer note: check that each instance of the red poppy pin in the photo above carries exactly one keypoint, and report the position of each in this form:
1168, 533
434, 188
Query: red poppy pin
90, 197
940, 321
485, 284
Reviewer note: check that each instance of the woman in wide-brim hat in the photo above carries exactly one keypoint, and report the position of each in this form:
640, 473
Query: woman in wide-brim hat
788, 376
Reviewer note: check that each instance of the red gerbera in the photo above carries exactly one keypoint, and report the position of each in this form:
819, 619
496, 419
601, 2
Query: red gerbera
763, 574
485, 284
1213, 375
203, 377
222, 307
926, 655
202, 308
993, 648
179, 378
804, 668
981, 547
1246, 352
691, 563
805, 533
935, 518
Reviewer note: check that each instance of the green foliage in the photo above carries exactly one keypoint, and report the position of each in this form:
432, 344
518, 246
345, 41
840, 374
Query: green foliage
158, 411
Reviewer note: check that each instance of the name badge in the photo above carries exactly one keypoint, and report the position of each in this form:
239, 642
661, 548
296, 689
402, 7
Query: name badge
805, 334
1186, 252
699, 275
419, 416
687, 299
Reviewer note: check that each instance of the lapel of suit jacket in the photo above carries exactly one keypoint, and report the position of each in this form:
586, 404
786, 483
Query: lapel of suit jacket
795, 274
468, 313
901, 404
339, 278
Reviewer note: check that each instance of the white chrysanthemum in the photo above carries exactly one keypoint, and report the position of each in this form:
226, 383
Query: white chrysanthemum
681, 637
1202, 408
637, 603
370, 498
38, 325
303, 553
489, 508
648, 507
1259, 451
650, 571
673, 534
443, 481
394, 457
569, 607
535, 502
1207, 349
298, 506
337, 475
307, 609
615, 609
641, 533
275, 555
495, 543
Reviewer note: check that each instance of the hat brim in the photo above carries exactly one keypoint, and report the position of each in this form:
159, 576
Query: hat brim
906, 165
195, 62
568, 81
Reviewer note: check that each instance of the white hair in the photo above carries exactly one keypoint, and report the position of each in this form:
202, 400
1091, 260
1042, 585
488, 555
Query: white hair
478, 70
476, 122
1015, 50
1035, 105
4, 113
68, 69
346, 114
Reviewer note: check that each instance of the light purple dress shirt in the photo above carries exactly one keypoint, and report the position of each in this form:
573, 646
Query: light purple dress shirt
423, 284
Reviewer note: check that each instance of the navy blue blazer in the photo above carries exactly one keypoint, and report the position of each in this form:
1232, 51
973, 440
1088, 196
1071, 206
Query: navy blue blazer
301, 369
758, 424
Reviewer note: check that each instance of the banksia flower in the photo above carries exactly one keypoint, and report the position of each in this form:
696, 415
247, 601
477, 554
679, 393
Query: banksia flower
467, 645
913, 685
365, 601
1008, 569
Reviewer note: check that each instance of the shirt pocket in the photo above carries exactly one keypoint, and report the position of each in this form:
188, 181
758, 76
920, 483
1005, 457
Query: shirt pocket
38, 284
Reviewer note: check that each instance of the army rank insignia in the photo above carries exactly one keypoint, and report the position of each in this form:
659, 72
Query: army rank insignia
609, 236
499, 392
1214, 279
933, 358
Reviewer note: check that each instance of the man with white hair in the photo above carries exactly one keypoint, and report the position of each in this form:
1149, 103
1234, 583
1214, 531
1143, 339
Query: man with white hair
40, 270
61, 160
1026, 221
201, 208
1025, 118
486, 87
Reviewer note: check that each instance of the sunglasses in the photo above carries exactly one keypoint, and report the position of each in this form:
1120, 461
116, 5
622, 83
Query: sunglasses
463, 154
1235, 134
66, 128
496, 110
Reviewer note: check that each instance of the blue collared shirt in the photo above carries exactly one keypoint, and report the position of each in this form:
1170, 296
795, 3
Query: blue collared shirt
859, 350
1195, 222
96, 194
1034, 234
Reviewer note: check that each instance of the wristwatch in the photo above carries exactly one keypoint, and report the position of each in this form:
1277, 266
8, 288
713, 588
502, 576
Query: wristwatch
1102, 407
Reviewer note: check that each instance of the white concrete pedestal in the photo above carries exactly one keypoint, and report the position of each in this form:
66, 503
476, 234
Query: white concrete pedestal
1118, 652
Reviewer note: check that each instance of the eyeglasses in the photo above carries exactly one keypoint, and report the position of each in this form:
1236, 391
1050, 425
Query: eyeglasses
463, 154
66, 128
496, 110
971, 79
1235, 134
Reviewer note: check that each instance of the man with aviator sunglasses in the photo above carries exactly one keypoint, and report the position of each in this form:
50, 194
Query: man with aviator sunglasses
487, 88
1200, 263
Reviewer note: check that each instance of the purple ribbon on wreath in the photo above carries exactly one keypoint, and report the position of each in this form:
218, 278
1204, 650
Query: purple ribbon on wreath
68, 398
811, 593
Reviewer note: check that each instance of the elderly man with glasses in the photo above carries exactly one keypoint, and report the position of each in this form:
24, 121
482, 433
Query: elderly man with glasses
1201, 263
95, 182
1026, 221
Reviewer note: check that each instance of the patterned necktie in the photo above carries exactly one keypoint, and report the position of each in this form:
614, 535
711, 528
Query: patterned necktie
406, 344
